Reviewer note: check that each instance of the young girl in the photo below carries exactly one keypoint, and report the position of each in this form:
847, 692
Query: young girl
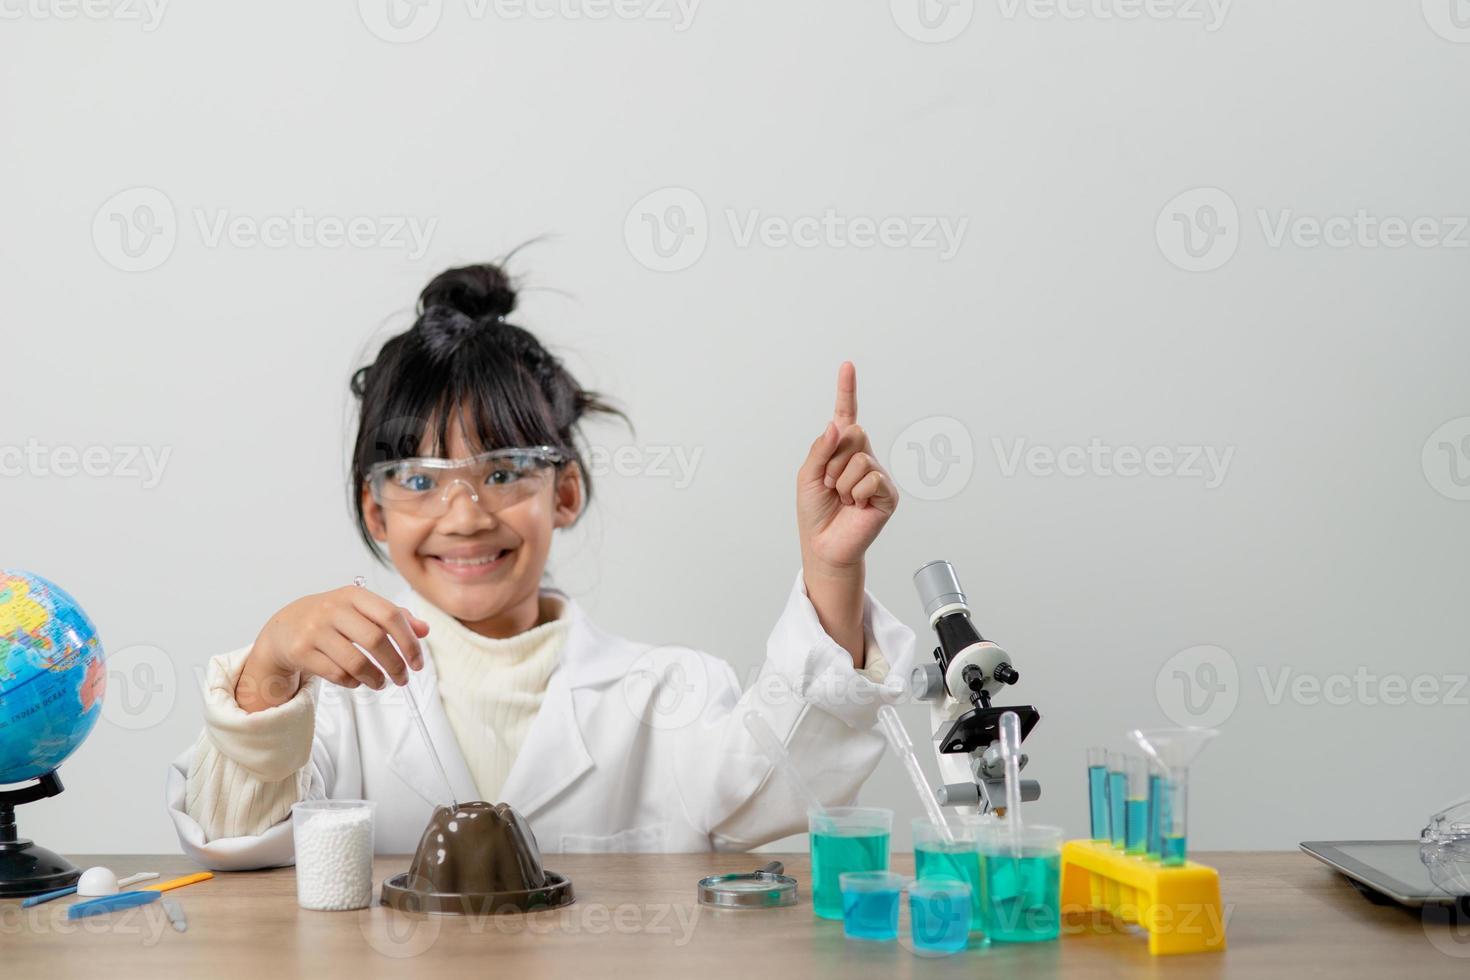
466, 461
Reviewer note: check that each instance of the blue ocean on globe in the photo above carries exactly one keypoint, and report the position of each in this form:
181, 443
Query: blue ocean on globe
52, 676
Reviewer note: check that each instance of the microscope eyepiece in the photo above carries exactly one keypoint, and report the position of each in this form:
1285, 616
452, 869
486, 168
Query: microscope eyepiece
939, 586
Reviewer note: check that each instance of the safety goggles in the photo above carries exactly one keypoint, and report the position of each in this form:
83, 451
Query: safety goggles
494, 480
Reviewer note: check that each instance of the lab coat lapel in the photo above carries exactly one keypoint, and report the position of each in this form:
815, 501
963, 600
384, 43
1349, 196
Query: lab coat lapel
555, 754
411, 759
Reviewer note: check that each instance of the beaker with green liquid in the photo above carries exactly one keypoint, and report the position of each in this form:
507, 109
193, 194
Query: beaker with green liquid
937, 858
1021, 883
845, 838
1174, 749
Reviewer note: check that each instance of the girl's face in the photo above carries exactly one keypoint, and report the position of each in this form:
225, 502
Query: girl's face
444, 559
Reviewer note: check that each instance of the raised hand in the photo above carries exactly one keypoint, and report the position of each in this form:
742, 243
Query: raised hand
843, 495
843, 499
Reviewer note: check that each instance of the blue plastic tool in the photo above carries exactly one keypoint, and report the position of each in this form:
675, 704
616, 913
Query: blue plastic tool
111, 903
48, 896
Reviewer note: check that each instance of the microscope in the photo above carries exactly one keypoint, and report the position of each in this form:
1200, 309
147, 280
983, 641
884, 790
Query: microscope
968, 671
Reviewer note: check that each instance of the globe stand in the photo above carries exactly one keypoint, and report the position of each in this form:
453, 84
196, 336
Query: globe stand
26, 869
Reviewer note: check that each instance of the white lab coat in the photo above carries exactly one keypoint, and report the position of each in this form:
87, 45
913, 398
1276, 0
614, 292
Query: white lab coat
635, 748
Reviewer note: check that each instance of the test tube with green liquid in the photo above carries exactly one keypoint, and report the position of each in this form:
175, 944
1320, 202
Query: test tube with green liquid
1097, 792
1117, 799
1137, 805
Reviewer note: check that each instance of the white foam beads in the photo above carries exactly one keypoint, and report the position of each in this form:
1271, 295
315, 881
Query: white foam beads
334, 860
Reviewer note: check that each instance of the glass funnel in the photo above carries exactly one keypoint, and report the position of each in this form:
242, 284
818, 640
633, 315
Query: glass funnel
1174, 749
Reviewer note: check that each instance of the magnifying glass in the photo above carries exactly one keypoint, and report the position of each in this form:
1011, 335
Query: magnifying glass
764, 888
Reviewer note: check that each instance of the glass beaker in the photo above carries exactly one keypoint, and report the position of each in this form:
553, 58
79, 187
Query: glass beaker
845, 838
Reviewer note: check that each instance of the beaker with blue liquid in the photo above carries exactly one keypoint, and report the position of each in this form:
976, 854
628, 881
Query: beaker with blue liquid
940, 915
870, 904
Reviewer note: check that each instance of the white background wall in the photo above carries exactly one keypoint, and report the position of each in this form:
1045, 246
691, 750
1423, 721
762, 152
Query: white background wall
1335, 542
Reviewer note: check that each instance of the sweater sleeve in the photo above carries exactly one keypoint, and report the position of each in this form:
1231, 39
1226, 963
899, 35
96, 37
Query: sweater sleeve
245, 770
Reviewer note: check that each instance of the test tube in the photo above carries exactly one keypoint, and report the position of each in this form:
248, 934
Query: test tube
1155, 844
1117, 799
1174, 749
1137, 806
1097, 792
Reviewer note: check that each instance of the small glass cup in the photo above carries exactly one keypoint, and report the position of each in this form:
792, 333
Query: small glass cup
333, 840
1021, 883
845, 838
870, 904
939, 915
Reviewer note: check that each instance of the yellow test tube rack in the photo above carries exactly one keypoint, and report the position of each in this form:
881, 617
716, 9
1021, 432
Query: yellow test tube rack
1179, 906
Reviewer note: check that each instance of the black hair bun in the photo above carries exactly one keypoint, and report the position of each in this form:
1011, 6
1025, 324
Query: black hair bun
477, 291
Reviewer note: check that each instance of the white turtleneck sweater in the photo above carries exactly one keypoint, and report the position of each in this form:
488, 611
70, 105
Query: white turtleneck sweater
248, 768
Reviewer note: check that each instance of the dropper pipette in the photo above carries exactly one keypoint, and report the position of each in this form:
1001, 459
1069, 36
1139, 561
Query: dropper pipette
1010, 748
418, 716
760, 729
898, 737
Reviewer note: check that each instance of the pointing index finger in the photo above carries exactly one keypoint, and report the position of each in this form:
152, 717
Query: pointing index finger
845, 413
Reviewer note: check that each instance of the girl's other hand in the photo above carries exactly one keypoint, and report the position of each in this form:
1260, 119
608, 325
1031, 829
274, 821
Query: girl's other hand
843, 495
315, 636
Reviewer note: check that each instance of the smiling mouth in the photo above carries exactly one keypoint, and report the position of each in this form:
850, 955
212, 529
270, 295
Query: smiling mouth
472, 566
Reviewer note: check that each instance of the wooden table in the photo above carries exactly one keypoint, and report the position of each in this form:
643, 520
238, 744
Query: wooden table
635, 917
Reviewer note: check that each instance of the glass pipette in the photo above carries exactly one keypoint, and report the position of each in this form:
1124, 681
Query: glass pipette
418, 717
760, 730
1010, 749
898, 737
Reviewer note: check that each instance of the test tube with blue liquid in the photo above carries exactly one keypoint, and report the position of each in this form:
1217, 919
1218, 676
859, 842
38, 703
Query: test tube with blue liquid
1174, 749
1117, 799
1137, 805
1097, 792
1155, 844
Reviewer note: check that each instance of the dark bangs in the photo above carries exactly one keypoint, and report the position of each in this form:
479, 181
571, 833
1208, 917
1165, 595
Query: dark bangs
462, 365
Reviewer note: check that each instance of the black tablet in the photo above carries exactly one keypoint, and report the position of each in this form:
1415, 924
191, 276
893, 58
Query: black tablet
1398, 869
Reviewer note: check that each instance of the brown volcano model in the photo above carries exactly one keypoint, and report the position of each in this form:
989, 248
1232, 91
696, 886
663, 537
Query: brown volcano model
477, 859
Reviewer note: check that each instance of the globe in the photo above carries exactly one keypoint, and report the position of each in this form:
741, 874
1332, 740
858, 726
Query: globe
52, 676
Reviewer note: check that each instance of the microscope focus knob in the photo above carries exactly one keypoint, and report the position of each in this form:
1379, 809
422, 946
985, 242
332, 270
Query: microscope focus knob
1006, 674
926, 682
